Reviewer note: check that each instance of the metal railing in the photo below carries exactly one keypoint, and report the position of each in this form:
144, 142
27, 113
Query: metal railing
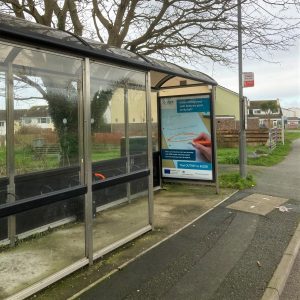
274, 138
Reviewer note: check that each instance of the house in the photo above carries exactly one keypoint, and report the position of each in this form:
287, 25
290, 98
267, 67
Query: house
296, 111
227, 109
289, 112
17, 117
37, 116
267, 118
291, 117
292, 122
227, 102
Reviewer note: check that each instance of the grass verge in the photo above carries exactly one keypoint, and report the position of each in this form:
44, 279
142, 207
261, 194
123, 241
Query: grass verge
235, 181
265, 157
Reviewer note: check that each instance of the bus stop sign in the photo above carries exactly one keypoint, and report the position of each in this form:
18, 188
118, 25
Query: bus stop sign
248, 79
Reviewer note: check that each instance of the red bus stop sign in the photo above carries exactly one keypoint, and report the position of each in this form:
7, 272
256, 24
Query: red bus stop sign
248, 79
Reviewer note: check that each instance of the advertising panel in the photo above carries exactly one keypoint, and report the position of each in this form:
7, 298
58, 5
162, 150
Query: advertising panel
186, 145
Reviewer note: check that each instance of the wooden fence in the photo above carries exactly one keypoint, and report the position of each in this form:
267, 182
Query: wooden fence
230, 138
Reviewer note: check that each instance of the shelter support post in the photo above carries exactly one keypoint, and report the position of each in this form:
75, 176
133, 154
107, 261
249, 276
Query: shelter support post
87, 163
127, 145
150, 150
282, 130
214, 132
10, 155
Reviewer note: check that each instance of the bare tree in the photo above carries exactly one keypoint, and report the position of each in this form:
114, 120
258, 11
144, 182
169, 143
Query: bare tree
173, 29
178, 30
64, 15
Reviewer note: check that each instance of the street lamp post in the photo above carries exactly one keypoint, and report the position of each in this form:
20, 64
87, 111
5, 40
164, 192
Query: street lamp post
242, 139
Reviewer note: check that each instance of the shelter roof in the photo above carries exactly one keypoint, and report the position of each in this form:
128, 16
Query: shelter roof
20, 30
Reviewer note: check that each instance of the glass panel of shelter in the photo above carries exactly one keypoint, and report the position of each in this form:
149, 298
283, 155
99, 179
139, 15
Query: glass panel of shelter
42, 109
119, 146
41, 95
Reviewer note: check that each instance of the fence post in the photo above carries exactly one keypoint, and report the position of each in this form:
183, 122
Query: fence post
282, 130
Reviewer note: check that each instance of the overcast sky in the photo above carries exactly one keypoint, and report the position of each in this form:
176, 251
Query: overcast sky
272, 80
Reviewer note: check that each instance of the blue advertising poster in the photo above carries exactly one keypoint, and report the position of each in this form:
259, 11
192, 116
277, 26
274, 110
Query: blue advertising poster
186, 137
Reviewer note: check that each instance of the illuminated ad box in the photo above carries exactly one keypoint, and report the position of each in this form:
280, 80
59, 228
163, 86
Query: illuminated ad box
186, 146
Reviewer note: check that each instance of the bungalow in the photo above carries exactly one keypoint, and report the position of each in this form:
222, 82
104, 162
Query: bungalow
17, 117
292, 122
268, 118
36, 116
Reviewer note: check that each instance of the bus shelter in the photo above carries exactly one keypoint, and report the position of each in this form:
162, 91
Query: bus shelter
80, 149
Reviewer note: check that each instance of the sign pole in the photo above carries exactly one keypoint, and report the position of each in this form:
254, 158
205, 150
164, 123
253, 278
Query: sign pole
242, 140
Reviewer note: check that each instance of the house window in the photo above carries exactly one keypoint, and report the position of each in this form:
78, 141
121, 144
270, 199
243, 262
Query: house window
27, 121
256, 111
44, 120
262, 123
2, 123
275, 123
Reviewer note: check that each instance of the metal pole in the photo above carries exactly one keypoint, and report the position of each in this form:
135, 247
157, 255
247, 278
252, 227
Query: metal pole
150, 151
242, 141
10, 151
214, 134
282, 130
88, 201
127, 140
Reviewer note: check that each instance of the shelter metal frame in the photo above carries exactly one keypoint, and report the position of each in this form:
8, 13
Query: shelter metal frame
18, 36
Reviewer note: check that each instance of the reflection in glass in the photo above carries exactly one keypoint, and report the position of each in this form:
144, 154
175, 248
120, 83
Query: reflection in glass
137, 129
47, 89
154, 123
119, 221
116, 96
119, 146
46, 94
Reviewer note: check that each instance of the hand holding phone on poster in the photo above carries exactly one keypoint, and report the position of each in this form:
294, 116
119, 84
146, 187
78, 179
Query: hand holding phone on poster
203, 144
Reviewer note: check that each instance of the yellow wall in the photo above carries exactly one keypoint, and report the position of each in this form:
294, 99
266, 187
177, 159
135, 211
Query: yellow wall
184, 91
136, 107
227, 102
117, 107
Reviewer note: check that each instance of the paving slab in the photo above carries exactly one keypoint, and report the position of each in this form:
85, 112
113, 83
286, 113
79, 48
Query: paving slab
258, 204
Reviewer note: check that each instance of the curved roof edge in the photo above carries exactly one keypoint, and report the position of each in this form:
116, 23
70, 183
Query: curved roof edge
20, 30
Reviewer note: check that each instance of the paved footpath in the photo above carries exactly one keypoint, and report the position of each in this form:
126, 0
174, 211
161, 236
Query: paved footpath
227, 254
